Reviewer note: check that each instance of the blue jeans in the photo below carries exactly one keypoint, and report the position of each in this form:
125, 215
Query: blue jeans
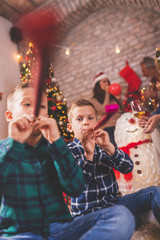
115, 222
142, 201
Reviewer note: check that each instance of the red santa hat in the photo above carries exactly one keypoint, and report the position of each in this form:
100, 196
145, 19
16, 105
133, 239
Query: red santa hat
130, 77
99, 77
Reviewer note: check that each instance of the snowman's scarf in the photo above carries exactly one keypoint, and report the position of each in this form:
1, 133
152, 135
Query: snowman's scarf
128, 177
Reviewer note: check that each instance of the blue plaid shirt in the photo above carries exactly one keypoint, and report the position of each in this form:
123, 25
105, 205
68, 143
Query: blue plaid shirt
101, 186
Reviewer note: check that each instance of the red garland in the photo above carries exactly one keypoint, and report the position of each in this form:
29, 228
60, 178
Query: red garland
126, 149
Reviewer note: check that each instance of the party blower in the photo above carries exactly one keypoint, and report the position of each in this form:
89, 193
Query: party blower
110, 110
41, 27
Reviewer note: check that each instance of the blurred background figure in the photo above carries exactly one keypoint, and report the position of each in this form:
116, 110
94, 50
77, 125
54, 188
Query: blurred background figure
149, 71
102, 97
152, 124
157, 62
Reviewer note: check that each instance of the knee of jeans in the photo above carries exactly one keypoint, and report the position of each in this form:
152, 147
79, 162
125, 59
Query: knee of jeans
127, 219
125, 215
155, 190
126, 223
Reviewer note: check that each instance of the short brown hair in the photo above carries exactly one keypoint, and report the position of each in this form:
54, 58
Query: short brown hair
19, 87
79, 103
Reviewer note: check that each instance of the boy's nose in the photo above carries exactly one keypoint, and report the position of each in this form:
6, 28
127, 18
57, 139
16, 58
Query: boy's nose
31, 110
85, 122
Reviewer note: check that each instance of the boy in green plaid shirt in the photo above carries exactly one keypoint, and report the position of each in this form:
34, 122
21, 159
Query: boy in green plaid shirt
36, 167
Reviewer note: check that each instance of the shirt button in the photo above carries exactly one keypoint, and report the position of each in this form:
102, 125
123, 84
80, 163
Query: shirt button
8, 146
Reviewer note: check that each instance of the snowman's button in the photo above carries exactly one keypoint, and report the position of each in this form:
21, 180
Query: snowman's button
139, 171
135, 147
137, 162
136, 155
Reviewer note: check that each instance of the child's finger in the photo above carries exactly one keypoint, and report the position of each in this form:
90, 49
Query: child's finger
23, 123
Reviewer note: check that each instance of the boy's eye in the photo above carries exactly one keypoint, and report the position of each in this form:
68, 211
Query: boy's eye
43, 106
79, 119
90, 118
26, 104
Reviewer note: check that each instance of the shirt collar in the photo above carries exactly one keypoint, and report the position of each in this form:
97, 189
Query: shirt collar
75, 140
41, 141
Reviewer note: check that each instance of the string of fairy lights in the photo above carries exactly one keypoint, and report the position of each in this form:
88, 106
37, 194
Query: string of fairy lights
68, 50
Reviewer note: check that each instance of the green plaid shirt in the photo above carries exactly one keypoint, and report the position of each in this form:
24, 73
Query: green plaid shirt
32, 182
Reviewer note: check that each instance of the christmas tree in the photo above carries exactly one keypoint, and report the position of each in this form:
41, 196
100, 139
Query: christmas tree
25, 65
57, 107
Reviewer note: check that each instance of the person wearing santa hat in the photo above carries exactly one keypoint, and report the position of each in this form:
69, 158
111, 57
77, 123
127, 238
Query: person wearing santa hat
101, 97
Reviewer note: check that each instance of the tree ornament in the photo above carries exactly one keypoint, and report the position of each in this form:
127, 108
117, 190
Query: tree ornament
48, 81
47, 90
54, 108
58, 98
53, 80
60, 123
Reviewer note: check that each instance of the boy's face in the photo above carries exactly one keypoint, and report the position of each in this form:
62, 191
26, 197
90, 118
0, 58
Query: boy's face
22, 104
83, 118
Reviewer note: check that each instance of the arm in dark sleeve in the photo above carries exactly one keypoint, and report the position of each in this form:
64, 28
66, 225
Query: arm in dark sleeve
86, 165
156, 112
122, 162
70, 175
10, 150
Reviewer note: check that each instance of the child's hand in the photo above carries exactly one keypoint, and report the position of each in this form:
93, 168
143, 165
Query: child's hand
102, 139
88, 143
107, 89
21, 128
49, 128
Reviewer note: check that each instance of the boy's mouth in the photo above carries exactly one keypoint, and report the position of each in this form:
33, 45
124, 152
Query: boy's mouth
87, 129
84, 129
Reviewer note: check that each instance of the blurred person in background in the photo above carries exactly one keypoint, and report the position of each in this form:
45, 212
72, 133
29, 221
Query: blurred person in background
102, 97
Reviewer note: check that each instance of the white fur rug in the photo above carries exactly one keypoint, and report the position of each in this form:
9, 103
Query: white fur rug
148, 231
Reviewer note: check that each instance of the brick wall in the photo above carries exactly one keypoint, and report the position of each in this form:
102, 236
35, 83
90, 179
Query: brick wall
136, 30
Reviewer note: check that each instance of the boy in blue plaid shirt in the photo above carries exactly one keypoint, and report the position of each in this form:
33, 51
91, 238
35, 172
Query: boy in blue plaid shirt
97, 156
36, 167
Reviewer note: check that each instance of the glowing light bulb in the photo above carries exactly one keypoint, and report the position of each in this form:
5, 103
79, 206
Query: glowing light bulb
67, 51
117, 49
18, 56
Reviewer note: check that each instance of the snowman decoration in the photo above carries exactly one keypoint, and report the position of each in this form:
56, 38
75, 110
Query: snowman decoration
138, 145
